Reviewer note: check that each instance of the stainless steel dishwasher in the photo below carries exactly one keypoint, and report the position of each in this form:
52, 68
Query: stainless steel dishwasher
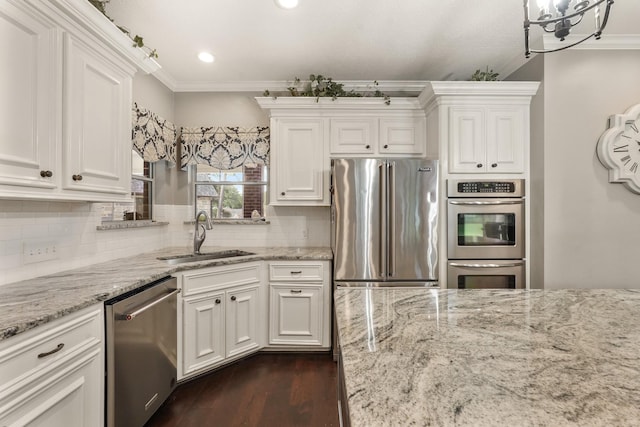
141, 359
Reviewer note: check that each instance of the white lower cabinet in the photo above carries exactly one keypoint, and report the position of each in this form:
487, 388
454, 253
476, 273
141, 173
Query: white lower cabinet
295, 315
228, 312
299, 304
53, 375
220, 316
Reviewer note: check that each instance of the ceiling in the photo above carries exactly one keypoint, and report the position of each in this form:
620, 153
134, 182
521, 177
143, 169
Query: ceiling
258, 45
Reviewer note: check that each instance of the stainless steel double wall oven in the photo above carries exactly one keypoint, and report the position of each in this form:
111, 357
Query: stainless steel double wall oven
486, 234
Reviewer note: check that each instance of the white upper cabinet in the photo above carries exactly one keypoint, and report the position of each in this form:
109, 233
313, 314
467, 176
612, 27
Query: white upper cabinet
97, 126
65, 113
352, 135
487, 139
299, 162
378, 136
482, 127
402, 135
29, 81
306, 132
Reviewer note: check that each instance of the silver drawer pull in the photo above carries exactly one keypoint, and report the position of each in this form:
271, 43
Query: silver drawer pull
464, 265
49, 353
297, 272
296, 291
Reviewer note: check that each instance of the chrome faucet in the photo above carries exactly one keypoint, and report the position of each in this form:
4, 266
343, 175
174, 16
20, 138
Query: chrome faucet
198, 239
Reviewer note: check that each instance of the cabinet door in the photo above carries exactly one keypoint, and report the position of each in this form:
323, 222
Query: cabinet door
402, 136
72, 396
467, 144
242, 321
296, 315
299, 168
353, 136
29, 84
505, 139
203, 331
97, 120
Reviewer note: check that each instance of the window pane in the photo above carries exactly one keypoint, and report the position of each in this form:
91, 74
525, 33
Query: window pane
231, 201
141, 192
206, 173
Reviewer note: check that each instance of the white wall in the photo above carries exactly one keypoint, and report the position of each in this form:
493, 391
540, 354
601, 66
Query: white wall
590, 227
71, 226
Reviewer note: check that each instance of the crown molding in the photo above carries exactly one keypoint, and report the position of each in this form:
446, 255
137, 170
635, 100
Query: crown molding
459, 89
404, 87
606, 42
84, 15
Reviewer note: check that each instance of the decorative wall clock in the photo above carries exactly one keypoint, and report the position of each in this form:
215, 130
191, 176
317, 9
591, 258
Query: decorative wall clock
619, 149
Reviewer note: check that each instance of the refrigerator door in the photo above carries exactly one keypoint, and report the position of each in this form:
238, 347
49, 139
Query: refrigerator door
358, 215
413, 220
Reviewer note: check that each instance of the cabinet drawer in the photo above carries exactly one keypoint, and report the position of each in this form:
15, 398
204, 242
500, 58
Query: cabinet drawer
296, 272
221, 277
31, 353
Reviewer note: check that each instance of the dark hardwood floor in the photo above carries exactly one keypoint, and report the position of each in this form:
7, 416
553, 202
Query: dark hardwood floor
267, 389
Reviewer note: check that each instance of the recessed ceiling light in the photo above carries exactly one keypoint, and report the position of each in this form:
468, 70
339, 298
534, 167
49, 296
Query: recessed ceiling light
205, 57
287, 4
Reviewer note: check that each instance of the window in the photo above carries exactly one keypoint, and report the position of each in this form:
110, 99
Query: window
231, 194
141, 193
141, 186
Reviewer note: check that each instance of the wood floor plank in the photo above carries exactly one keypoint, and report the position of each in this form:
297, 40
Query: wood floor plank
267, 389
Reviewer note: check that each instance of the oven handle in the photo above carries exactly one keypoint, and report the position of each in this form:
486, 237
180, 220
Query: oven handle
476, 203
133, 314
514, 264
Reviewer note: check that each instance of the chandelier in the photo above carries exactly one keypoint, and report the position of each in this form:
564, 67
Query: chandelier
559, 16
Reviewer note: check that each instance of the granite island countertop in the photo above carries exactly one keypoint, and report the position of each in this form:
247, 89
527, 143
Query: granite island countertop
417, 357
29, 303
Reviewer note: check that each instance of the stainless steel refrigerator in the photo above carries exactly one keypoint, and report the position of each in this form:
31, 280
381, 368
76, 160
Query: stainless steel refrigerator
384, 218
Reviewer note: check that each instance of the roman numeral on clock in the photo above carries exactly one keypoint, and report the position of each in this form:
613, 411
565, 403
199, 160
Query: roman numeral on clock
621, 149
625, 159
634, 167
634, 127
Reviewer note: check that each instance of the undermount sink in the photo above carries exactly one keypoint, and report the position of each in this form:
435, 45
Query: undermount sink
179, 259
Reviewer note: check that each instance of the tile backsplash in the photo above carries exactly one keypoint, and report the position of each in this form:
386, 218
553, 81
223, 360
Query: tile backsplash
70, 227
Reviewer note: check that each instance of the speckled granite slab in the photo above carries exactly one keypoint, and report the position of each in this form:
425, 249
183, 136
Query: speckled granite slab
29, 303
491, 358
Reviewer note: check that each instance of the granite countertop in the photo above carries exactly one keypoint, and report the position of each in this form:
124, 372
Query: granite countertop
416, 357
29, 303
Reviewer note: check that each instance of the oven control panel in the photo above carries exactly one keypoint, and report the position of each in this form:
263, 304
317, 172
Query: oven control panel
480, 188
485, 187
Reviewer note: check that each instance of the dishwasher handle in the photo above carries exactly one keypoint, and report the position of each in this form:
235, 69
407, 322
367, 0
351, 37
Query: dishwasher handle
133, 314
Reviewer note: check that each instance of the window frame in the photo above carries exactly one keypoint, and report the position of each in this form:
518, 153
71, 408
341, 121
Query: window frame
244, 183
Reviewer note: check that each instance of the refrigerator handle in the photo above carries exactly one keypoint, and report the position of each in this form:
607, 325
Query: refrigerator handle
391, 223
382, 174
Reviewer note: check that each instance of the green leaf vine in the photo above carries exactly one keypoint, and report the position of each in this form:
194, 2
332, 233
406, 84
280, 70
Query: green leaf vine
320, 86
138, 41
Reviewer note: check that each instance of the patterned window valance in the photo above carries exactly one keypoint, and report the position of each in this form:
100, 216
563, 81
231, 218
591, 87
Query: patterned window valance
224, 148
154, 138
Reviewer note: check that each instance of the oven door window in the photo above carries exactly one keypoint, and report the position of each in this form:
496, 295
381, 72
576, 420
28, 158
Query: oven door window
507, 281
490, 229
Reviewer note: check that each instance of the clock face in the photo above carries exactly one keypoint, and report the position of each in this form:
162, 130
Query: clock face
619, 149
627, 148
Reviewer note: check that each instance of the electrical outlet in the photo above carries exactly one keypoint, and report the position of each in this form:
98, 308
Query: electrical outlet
39, 251
305, 233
